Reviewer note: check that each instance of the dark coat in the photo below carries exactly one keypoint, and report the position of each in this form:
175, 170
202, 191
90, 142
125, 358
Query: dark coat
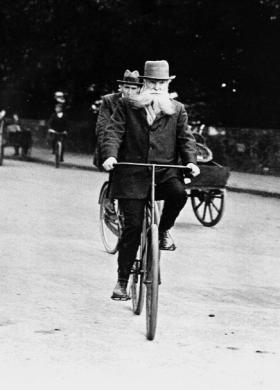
107, 107
128, 137
58, 124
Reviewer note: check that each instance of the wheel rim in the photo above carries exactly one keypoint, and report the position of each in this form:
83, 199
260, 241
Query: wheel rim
152, 283
208, 206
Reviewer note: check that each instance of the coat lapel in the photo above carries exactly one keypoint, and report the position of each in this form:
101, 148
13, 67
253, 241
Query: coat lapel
159, 118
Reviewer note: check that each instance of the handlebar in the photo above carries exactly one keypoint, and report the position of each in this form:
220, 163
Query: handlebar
153, 165
57, 132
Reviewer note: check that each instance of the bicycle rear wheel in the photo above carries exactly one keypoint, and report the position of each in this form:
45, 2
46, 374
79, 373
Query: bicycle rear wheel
152, 282
137, 277
137, 287
109, 221
58, 150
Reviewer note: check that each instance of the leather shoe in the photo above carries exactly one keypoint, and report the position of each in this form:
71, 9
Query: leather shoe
166, 242
119, 292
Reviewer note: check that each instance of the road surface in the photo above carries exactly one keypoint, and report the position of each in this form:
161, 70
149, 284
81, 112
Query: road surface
219, 308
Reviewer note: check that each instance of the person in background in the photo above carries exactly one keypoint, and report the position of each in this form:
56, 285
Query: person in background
2, 114
2, 128
59, 97
58, 122
2, 117
18, 136
15, 129
129, 86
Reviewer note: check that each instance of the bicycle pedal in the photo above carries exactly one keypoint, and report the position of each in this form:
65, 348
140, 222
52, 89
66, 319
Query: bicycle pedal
127, 298
170, 248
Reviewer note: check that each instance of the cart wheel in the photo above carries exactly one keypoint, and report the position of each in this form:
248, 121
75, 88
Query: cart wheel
208, 206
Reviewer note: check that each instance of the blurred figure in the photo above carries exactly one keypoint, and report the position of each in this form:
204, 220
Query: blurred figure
58, 122
59, 97
18, 136
2, 123
2, 114
14, 131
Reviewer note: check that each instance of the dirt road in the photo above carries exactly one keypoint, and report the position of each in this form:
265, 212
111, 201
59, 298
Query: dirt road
219, 310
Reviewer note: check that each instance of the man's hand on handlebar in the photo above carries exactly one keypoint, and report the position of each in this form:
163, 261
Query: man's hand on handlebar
109, 164
194, 169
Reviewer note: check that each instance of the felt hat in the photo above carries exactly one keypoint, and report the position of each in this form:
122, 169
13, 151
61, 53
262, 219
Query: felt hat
131, 78
157, 70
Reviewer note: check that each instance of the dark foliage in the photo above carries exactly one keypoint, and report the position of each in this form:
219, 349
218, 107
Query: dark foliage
224, 54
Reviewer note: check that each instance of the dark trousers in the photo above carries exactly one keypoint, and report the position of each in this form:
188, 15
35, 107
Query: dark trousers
173, 193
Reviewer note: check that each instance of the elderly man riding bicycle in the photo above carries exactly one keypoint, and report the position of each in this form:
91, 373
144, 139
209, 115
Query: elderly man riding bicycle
150, 127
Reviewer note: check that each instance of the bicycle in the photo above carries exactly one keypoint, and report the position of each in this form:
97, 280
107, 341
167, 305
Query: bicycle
146, 267
59, 146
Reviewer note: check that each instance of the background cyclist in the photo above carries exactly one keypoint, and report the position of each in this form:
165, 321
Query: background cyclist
58, 122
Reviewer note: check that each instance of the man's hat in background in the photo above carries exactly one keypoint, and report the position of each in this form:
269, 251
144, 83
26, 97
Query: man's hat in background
59, 97
157, 70
131, 78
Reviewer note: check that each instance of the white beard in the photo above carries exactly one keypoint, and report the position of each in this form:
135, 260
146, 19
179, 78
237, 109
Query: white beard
154, 102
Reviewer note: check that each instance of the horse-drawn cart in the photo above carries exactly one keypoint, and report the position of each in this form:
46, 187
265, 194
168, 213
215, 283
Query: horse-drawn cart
207, 191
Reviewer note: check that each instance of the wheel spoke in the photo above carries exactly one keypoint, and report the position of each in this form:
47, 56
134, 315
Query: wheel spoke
197, 206
210, 211
112, 227
204, 211
215, 207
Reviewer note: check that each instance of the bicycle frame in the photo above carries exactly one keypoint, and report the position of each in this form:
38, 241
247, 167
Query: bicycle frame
59, 140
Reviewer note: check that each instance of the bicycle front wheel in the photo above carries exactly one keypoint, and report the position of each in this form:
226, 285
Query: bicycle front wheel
152, 282
109, 221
